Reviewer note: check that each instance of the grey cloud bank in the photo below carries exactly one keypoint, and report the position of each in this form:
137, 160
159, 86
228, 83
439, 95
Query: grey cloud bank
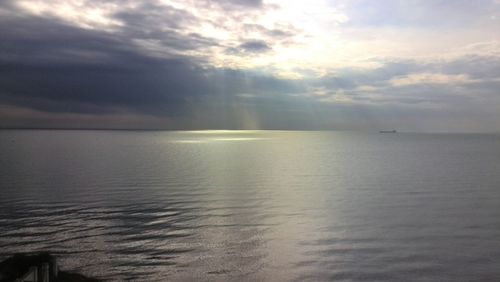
152, 73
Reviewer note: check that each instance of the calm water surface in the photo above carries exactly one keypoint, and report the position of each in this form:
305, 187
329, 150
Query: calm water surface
254, 205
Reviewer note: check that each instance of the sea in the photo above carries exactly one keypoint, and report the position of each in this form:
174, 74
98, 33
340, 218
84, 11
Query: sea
254, 205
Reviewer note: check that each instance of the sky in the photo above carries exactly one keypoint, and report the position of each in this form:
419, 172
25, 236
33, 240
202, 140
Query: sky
413, 65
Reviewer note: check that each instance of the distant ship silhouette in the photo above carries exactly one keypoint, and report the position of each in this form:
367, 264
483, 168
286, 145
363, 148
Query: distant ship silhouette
387, 131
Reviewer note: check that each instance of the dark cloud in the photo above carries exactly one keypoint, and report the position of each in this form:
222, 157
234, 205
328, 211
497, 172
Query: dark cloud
277, 33
481, 67
251, 3
64, 64
162, 25
245, 3
254, 46
148, 16
51, 67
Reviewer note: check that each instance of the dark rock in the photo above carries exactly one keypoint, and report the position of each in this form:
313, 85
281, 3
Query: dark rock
18, 265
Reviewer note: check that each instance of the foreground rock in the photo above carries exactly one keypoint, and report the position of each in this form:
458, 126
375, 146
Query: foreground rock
36, 268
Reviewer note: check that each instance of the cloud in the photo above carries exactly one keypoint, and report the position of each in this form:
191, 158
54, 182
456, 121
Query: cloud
79, 13
430, 78
420, 13
255, 46
21, 117
247, 3
248, 64
63, 70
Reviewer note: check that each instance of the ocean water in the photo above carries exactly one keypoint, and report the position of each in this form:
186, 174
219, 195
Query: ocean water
254, 205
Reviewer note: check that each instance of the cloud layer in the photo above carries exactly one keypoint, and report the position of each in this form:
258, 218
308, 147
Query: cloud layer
247, 64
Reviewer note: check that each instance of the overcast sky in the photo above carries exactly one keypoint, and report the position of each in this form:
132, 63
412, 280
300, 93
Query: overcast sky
247, 64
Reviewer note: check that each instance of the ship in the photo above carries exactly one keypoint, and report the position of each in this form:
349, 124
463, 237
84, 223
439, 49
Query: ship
388, 131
